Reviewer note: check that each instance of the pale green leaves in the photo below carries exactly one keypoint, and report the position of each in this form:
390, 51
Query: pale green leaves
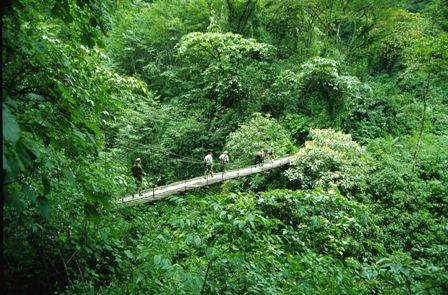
325, 72
331, 159
224, 46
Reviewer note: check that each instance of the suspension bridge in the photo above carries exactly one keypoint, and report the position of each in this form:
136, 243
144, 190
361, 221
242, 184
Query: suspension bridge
158, 193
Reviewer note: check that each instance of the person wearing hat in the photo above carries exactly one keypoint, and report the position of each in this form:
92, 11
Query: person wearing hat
223, 160
137, 172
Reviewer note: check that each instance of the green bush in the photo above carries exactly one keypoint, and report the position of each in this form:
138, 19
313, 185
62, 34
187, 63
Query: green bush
259, 133
330, 159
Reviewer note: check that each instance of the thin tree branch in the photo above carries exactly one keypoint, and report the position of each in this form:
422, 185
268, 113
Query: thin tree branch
206, 275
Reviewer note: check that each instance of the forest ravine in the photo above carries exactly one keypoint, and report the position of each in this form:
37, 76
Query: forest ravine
355, 90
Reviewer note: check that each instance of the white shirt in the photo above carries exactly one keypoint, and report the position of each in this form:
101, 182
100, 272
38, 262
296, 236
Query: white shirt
208, 159
224, 158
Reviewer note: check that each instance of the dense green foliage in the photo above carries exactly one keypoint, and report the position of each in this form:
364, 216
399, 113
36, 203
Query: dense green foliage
259, 133
357, 89
331, 159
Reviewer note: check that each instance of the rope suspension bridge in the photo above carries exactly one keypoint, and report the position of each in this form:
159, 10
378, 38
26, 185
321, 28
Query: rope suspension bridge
158, 193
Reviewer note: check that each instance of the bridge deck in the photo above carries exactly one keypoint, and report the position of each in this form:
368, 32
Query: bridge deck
161, 192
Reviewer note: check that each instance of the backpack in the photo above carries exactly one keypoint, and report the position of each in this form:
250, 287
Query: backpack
259, 154
136, 171
224, 158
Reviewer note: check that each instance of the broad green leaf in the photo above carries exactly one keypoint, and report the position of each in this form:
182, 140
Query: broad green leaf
6, 166
157, 259
11, 130
197, 241
128, 254
143, 254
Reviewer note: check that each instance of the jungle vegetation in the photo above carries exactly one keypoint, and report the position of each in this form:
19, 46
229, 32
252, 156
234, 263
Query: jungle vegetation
356, 89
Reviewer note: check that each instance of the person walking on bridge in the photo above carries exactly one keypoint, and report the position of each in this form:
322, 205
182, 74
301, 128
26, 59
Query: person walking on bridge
259, 157
137, 172
208, 162
223, 160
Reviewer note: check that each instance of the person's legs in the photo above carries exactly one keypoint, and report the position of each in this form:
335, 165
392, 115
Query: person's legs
138, 183
140, 188
208, 171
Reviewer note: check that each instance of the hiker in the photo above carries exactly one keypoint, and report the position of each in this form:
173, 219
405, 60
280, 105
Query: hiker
270, 153
259, 157
137, 172
208, 162
223, 160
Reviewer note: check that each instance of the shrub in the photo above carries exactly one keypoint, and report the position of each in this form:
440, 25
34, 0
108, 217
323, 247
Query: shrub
330, 159
259, 133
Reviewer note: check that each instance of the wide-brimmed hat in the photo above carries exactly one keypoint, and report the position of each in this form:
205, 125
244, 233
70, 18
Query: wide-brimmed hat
138, 160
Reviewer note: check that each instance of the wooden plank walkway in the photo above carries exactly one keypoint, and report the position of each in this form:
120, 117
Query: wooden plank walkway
161, 192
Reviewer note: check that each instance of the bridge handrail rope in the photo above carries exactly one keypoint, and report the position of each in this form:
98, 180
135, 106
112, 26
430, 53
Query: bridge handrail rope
179, 158
172, 159
184, 185
165, 153
194, 178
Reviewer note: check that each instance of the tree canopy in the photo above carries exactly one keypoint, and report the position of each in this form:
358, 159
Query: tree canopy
354, 91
